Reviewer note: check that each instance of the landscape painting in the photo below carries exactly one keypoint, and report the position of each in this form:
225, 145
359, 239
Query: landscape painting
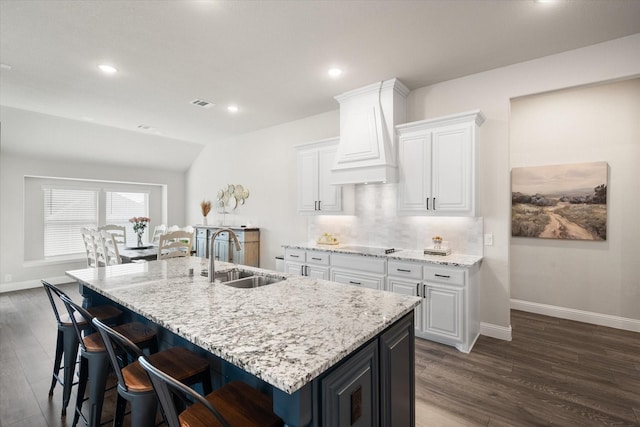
560, 201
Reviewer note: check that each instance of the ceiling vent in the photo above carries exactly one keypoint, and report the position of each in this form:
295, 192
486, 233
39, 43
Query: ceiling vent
202, 103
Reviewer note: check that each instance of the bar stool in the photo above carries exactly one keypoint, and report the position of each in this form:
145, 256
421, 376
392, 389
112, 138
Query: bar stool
134, 385
233, 405
67, 341
94, 360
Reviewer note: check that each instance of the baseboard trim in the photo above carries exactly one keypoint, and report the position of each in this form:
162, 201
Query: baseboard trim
30, 284
577, 315
495, 331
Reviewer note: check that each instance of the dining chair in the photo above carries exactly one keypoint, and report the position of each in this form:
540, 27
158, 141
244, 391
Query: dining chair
175, 244
157, 232
106, 249
94, 360
235, 404
134, 385
67, 341
118, 231
173, 228
90, 247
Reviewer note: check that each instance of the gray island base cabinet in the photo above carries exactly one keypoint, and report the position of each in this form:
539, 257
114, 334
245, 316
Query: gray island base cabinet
276, 339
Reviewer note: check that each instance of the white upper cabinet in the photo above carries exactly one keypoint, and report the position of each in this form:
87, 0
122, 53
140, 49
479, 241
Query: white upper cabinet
438, 165
316, 194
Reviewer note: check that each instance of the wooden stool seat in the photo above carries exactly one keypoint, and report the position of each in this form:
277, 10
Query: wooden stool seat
137, 332
178, 362
102, 312
238, 403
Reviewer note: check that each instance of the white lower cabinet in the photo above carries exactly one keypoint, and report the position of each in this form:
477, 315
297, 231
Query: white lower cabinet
307, 263
443, 313
448, 313
358, 270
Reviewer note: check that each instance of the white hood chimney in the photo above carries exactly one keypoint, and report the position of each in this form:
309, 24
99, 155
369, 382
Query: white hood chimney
367, 149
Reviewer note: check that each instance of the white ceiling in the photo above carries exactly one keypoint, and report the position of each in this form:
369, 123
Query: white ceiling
268, 57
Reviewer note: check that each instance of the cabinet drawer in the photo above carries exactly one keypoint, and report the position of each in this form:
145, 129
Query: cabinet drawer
407, 270
201, 232
349, 278
296, 255
449, 276
357, 262
317, 257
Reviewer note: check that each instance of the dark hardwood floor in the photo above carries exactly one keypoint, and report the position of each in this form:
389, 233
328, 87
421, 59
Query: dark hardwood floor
554, 372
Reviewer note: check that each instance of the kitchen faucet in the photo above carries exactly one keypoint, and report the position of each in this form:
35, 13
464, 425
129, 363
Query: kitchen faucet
212, 272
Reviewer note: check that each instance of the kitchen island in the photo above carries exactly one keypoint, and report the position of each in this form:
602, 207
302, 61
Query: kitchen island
327, 353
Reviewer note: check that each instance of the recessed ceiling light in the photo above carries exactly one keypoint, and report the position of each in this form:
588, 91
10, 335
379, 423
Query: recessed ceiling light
335, 72
5, 66
107, 69
232, 108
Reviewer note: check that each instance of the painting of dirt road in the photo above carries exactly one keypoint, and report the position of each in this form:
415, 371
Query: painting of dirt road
560, 201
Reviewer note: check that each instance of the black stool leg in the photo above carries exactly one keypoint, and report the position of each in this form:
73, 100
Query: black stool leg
56, 363
143, 410
98, 372
82, 385
70, 354
121, 406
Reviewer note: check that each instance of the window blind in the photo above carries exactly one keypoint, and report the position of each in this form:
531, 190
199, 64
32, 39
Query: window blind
66, 211
121, 206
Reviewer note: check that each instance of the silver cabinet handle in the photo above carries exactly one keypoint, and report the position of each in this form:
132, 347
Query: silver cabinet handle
302, 270
403, 270
354, 283
319, 208
434, 203
424, 291
427, 203
316, 259
418, 289
443, 276
294, 256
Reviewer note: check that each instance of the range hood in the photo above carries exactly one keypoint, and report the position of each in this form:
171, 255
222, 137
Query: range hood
367, 149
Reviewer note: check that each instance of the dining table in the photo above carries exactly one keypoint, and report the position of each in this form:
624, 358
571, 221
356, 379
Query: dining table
131, 253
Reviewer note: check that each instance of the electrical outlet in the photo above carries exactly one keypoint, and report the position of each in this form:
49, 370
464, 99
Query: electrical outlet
8, 278
488, 239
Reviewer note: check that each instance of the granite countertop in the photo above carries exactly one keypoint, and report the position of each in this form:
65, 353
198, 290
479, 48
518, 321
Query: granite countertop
286, 333
453, 259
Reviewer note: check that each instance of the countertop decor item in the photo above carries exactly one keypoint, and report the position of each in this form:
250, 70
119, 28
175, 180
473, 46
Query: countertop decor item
327, 239
139, 224
437, 242
205, 206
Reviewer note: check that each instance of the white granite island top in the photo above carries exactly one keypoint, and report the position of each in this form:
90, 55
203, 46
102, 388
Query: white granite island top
454, 259
286, 333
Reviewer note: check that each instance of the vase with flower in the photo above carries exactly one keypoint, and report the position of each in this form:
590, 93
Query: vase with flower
139, 225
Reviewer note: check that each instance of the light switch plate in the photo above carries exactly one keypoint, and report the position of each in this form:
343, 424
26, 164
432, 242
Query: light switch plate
488, 239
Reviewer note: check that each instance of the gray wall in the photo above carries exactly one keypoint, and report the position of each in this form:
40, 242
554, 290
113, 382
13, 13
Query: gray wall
13, 169
586, 124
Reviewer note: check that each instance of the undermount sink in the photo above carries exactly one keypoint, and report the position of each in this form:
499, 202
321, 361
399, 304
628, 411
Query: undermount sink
253, 282
242, 279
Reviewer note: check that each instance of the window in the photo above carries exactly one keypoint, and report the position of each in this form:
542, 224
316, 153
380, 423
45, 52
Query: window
55, 209
66, 211
122, 206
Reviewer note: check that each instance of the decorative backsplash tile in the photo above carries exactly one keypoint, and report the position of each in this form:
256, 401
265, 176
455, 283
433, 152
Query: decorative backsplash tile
376, 224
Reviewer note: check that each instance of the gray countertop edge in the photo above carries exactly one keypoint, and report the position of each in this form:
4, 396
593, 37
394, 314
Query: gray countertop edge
454, 259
